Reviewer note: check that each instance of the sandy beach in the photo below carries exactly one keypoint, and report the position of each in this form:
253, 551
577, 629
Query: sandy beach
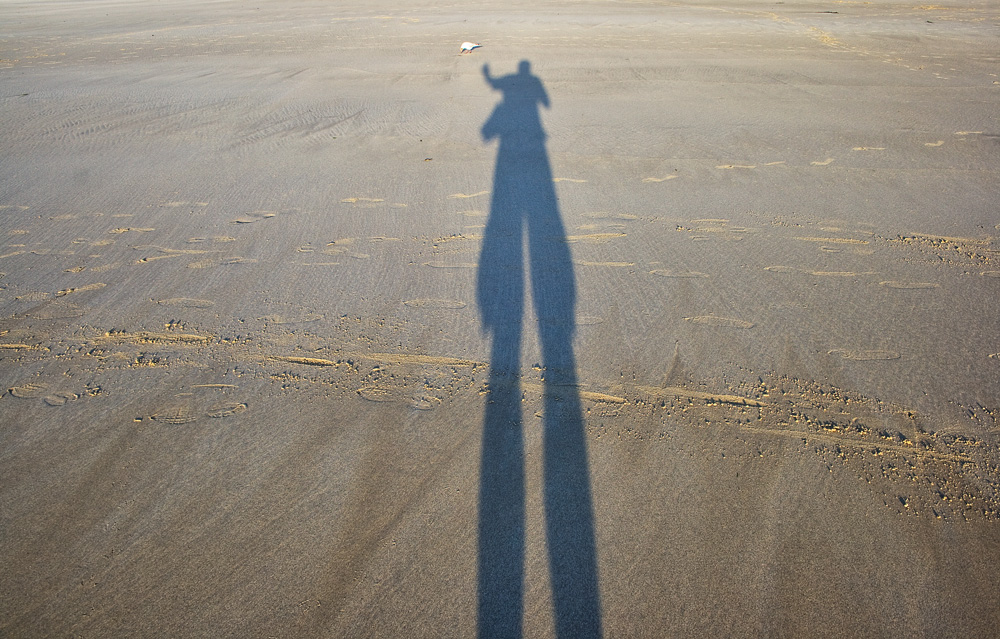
642, 319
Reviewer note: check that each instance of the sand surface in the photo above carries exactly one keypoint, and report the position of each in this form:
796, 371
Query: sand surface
264, 271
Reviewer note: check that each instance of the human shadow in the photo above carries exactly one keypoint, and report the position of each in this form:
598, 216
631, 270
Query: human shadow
524, 209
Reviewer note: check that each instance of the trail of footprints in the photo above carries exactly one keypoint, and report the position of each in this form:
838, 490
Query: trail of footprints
912, 467
918, 471
459, 251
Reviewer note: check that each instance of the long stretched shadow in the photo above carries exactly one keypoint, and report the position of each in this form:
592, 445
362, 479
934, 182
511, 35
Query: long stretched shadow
524, 210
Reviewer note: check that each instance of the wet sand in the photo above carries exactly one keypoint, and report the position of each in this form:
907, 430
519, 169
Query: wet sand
264, 272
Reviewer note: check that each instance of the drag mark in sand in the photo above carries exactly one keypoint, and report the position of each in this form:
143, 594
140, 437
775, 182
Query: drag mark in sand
822, 162
569, 180
715, 320
657, 179
608, 264
737, 166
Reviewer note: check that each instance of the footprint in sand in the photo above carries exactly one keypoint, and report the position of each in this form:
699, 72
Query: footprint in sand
179, 414
226, 409
119, 231
57, 309
28, 390
304, 318
256, 216
60, 398
89, 287
8, 346
425, 402
33, 296
377, 393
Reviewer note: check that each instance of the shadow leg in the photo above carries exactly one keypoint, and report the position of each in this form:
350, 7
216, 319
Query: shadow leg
501, 494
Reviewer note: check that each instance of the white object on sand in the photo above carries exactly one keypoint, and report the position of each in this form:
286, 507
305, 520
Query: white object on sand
469, 46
